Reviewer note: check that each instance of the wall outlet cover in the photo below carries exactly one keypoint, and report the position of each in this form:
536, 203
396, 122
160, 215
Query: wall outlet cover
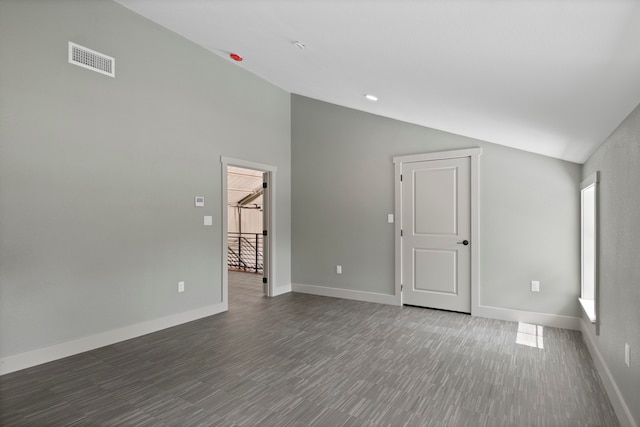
535, 286
180, 286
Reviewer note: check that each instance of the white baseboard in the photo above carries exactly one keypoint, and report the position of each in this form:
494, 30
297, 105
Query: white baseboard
69, 348
345, 293
543, 319
619, 405
279, 290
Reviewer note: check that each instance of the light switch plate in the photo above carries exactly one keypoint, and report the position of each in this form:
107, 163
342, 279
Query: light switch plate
208, 220
390, 218
627, 351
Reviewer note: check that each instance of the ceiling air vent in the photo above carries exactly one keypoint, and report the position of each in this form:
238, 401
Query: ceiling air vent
92, 60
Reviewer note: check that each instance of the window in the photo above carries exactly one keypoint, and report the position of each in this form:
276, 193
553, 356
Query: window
589, 245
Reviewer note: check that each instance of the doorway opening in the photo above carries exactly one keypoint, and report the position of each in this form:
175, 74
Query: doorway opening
245, 194
248, 217
245, 228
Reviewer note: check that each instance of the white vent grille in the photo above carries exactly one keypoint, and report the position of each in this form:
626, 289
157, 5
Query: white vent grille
92, 60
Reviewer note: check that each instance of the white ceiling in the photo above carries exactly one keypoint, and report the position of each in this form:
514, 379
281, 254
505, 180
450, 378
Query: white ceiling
550, 77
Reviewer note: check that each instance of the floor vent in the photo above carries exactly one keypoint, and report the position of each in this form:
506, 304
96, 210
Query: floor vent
92, 60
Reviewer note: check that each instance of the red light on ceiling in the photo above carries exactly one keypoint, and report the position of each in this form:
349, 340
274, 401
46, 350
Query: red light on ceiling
236, 57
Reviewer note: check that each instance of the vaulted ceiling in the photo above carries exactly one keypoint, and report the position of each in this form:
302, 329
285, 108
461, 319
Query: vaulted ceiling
550, 77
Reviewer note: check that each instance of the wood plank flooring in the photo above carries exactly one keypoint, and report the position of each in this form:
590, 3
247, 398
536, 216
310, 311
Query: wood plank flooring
303, 360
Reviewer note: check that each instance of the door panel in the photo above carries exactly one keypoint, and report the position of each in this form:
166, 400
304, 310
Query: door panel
436, 219
430, 185
435, 271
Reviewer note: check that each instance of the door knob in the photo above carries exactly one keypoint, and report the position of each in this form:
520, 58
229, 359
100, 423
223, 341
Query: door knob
464, 242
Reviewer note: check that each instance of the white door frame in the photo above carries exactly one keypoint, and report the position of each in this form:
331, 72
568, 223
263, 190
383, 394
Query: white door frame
270, 253
474, 155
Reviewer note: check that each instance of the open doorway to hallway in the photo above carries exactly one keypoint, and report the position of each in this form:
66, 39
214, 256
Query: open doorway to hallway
250, 196
245, 233
244, 288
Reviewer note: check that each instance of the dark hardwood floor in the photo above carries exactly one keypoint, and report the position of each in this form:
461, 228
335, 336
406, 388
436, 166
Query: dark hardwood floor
298, 360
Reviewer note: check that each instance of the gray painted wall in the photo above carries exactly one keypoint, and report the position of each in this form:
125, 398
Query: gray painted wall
617, 159
98, 175
343, 189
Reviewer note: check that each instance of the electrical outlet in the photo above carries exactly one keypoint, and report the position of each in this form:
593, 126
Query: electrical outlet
338, 269
627, 350
535, 286
180, 286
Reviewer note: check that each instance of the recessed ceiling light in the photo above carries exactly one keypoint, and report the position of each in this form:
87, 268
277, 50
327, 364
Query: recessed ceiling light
371, 97
299, 45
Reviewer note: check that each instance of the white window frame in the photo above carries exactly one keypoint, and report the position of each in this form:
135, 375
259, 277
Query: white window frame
590, 306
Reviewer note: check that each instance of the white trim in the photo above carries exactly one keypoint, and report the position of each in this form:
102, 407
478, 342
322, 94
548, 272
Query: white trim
344, 293
280, 290
248, 164
619, 405
270, 265
588, 308
474, 171
543, 319
475, 231
594, 178
69, 348
438, 155
591, 181
398, 228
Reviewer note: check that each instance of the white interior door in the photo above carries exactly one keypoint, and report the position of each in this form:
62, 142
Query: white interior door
266, 206
436, 225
